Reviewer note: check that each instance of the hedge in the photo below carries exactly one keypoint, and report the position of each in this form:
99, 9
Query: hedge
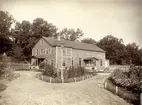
123, 93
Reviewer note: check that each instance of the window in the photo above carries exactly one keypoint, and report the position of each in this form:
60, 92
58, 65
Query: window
34, 52
41, 51
64, 51
95, 62
68, 51
46, 51
101, 62
37, 52
51, 62
72, 61
64, 63
79, 61
50, 50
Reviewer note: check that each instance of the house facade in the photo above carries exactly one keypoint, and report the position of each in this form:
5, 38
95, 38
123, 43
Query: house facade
63, 53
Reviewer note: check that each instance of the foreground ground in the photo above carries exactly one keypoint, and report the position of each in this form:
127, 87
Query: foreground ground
28, 90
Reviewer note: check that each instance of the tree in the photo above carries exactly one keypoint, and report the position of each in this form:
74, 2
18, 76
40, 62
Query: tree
6, 21
17, 53
89, 41
26, 34
40, 27
133, 54
71, 34
115, 49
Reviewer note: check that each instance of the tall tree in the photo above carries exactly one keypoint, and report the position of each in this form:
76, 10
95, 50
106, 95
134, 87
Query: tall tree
89, 41
27, 34
71, 34
40, 27
133, 54
115, 49
6, 21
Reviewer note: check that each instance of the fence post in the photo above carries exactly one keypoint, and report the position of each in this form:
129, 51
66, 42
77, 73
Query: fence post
62, 80
105, 85
50, 79
42, 77
116, 89
74, 79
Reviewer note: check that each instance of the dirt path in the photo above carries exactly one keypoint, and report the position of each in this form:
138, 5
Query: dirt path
28, 90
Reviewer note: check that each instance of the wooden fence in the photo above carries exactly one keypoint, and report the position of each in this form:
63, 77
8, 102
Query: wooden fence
17, 66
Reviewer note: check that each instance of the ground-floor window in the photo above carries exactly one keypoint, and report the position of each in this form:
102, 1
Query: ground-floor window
72, 61
64, 63
101, 62
79, 61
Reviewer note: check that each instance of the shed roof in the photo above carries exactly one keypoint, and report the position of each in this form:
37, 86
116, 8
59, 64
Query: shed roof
91, 58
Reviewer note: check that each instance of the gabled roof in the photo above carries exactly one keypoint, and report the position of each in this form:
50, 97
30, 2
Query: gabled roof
71, 44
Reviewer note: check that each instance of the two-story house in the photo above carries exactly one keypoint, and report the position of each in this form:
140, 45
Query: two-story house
64, 53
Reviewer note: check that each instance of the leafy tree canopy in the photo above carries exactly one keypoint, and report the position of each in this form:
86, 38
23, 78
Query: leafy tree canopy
71, 34
6, 21
89, 41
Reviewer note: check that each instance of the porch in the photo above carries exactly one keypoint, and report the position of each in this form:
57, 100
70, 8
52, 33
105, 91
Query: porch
91, 63
35, 62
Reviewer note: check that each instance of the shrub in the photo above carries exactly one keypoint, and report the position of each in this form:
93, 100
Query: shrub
49, 70
42, 65
2, 87
75, 72
130, 80
123, 93
2, 66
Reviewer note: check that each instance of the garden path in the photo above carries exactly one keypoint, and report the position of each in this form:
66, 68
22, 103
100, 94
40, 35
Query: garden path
28, 90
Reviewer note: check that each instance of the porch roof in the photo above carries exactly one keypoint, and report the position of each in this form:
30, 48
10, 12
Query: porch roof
90, 58
38, 57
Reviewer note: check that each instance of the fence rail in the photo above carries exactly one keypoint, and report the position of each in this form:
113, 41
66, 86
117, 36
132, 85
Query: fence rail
17, 66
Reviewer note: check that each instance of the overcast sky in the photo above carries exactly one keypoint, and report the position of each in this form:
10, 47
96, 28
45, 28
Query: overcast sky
97, 18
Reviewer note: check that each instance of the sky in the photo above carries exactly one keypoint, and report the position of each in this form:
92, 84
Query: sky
96, 18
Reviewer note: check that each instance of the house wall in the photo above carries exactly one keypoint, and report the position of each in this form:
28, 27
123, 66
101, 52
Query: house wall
71, 56
84, 54
43, 50
77, 54
67, 57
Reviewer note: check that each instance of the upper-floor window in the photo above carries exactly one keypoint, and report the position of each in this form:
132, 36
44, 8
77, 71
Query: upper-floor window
66, 51
41, 51
36, 51
46, 51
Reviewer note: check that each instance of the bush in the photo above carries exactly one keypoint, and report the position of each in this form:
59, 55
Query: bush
123, 93
2, 87
130, 80
75, 72
42, 65
49, 70
2, 66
